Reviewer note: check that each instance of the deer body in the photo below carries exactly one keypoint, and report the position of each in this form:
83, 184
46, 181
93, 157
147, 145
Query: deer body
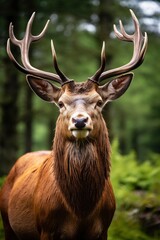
47, 213
66, 193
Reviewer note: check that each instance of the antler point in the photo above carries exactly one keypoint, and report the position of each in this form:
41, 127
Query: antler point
103, 45
10, 26
103, 55
134, 18
133, 14
53, 49
48, 21
131, 11
33, 14
8, 43
115, 27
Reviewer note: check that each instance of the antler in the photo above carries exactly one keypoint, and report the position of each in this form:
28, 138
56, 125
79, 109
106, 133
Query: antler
24, 45
140, 47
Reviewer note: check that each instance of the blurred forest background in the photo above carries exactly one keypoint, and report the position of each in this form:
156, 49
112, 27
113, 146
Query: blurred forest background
78, 28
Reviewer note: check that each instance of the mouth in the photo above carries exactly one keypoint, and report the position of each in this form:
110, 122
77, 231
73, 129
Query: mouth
80, 133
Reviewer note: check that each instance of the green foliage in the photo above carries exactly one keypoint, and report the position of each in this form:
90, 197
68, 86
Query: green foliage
1, 230
125, 227
1, 181
131, 177
137, 188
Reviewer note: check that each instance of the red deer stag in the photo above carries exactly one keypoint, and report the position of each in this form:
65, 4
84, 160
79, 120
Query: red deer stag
66, 193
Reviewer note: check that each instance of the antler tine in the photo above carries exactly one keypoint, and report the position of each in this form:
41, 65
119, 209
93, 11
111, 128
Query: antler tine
136, 23
96, 76
140, 47
42, 32
28, 36
143, 50
117, 33
144, 47
18, 66
58, 71
24, 45
122, 35
12, 36
29, 27
126, 37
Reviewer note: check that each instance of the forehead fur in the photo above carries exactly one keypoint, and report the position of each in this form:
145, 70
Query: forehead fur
80, 88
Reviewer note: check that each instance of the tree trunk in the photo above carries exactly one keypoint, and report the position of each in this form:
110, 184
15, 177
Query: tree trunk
28, 132
9, 108
106, 17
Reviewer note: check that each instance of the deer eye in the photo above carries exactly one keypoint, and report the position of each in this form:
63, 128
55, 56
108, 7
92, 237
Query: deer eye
99, 103
60, 104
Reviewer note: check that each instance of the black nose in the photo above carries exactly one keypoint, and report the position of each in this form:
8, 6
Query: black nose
80, 122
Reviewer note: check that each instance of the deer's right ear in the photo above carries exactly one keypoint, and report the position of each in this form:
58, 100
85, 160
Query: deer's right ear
43, 88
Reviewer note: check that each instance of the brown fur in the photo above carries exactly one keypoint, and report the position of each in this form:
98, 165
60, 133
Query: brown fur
65, 193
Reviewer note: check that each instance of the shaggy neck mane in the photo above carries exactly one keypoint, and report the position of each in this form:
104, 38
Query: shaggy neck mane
81, 167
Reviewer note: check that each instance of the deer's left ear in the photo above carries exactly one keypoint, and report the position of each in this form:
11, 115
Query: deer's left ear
115, 88
43, 88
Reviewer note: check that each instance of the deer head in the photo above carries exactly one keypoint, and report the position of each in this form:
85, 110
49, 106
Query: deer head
80, 104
